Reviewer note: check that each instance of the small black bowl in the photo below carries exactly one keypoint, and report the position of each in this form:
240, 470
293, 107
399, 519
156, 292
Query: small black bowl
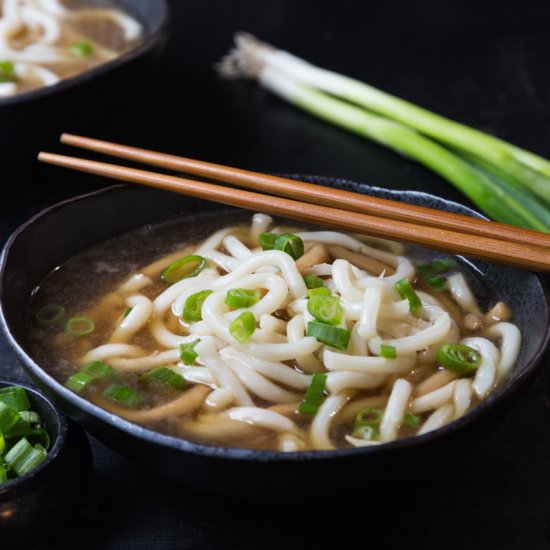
35, 119
35, 506
53, 236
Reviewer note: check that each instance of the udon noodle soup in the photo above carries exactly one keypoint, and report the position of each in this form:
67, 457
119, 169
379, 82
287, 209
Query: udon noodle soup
45, 41
270, 337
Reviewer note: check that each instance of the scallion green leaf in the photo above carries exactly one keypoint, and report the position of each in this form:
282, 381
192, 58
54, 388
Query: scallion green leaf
314, 395
80, 326
267, 240
291, 244
192, 309
124, 396
7, 71
8, 417
15, 397
319, 291
167, 376
99, 369
78, 382
188, 355
367, 423
459, 358
188, 266
81, 49
49, 315
411, 420
326, 309
237, 298
387, 351
330, 335
407, 292
313, 281
243, 327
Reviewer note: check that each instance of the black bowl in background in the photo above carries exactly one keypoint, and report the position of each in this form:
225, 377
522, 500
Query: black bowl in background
34, 507
53, 236
35, 119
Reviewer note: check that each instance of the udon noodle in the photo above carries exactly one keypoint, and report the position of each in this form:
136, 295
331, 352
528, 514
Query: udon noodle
45, 41
252, 357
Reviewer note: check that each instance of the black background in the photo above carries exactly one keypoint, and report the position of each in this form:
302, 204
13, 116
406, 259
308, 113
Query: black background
485, 64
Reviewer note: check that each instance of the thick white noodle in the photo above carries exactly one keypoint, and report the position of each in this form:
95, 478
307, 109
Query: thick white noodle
395, 409
434, 399
145, 363
461, 292
344, 380
236, 248
106, 351
510, 346
462, 398
137, 318
437, 419
260, 224
219, 399
319, 432
295, 333
263, 418
486, 374
335, 361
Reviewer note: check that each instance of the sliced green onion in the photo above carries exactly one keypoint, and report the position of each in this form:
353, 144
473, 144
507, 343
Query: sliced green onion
326, 309
330, 335
243, 327
430, 272
124, 396
452, 150
78, 382
237, 298
2, 448
407, 292
23, 457
192, 309
188, 266
39, 436
314, 395
267, 240
367, 423
81, 49
411, 420
8, 417
80, 326
319, 291
49, 315
3, 474
30, 416
127, 312
20, 428
387, 351
459, 358
99, 369
15, 397
291, 244
168, 377
7, 71
187, 352
312, 281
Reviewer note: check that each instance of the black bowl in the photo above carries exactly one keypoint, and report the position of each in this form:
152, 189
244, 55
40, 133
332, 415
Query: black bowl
35, 119
55, 493
59, 232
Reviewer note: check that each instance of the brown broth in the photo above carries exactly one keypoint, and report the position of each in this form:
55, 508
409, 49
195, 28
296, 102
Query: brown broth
86, 285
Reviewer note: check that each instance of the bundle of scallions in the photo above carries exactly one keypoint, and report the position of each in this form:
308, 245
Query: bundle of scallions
509, 184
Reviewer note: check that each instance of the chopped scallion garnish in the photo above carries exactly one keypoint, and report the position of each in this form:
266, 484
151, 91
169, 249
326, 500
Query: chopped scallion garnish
407, 292
124, 396
15, 397
367, 423
291, 244
319, 291
431, 272
167, 376
267, 240
188, 355
78, 382
49, 315
81, 49
243, 327
80, 326
192, 309
188, 266
314, 395
8, 417
411, 420
328, 334
313, 281
237, 298
459, 358
387, 351
326, 309
7, 71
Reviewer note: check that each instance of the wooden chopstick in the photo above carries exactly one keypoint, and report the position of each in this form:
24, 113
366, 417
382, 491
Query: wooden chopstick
528, 256
315, 194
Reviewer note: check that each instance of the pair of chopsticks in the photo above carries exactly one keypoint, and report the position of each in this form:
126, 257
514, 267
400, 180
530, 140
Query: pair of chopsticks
338, 209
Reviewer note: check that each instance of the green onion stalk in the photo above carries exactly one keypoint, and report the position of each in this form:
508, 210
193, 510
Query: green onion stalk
509, 184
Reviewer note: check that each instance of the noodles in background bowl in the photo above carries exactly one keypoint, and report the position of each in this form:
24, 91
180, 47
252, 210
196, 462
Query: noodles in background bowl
45, 41
224, 343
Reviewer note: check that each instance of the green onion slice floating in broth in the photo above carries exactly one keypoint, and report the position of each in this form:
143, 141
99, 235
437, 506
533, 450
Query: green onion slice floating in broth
459, 358
80, 326
326, 309
124, 396
188, 266
49, 315
192, 309
168, 377
237, 298
314, 395
330, 335
243, 327
188, 355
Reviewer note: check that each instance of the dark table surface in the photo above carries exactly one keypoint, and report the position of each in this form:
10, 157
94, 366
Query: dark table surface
483, 64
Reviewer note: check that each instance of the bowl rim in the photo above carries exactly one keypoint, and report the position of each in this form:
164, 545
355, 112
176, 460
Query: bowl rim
143, 46
231, 453
56, 445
